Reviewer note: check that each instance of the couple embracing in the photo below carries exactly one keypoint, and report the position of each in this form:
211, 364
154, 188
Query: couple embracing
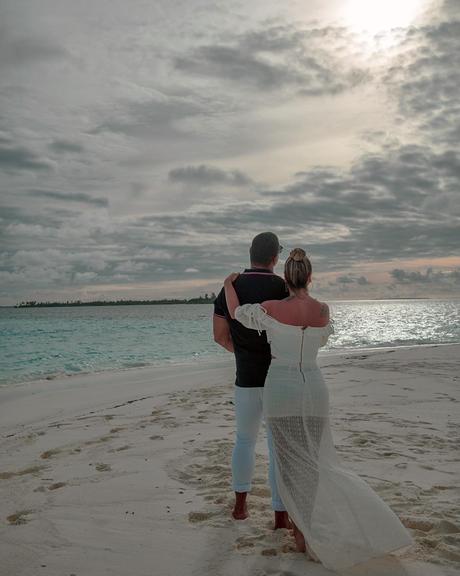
275, 329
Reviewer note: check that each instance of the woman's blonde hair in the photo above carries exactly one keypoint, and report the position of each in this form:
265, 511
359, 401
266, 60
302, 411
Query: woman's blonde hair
297, 269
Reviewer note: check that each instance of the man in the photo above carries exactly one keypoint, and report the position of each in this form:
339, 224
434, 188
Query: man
252, 356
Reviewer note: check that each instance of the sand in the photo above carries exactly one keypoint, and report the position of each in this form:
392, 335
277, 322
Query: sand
127, 472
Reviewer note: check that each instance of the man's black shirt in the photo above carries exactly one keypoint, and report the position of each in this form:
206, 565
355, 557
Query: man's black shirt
252, 351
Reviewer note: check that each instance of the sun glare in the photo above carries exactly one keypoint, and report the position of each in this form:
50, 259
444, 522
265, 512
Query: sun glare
375, 16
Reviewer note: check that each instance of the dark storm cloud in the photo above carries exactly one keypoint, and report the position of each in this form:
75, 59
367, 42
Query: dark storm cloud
14, 215
428, 277
411, 238
407, 181
350, 279
399, 203
426, 79
276, 58
11, 213
65, 146
208, 175
231, 63
153, 119
18, 51
69, 197
142, 249
15, 158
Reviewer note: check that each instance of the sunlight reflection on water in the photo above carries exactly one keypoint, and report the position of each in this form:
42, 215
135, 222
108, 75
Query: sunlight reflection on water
41, 342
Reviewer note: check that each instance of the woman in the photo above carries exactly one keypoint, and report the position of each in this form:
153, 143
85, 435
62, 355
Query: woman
338, 519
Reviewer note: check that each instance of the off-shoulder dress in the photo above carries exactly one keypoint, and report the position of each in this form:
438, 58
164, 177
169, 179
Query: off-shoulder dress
343, 520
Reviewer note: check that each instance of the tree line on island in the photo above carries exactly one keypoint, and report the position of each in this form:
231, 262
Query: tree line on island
206, 299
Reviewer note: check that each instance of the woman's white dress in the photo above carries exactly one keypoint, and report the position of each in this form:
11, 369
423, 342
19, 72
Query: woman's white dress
344, 521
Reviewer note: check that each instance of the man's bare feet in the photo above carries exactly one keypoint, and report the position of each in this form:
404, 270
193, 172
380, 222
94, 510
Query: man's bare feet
282, 520
240, 510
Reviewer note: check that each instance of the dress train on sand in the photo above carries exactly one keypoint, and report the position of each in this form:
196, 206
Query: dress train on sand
343, 520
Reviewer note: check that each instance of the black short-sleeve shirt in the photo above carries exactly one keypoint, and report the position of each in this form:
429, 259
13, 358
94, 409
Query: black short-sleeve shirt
252, 351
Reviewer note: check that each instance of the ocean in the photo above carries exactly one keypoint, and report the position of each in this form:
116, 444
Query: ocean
48, 342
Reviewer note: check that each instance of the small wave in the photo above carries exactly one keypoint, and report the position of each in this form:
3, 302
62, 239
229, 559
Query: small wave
134, 364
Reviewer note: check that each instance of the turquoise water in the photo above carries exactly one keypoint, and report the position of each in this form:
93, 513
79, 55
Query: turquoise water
45, 342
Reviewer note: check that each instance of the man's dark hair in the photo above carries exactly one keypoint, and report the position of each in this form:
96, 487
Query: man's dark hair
264, 248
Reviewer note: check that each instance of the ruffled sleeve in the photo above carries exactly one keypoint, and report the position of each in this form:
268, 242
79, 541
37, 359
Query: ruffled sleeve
328, 330
252, 316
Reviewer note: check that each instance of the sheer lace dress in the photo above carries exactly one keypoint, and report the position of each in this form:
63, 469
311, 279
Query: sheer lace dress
344, 521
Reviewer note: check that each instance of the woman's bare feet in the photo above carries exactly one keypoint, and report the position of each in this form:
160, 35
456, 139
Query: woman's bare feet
302, 546
299, 539
311, 555
240, 510
282, 520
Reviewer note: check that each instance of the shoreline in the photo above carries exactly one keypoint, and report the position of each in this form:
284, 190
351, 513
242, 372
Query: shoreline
454, 297
127, 470
211, 358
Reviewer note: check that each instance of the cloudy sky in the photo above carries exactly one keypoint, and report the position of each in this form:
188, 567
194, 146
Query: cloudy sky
143, 144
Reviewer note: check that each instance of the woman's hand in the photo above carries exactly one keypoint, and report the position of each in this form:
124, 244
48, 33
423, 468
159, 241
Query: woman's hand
230, 294
231, 278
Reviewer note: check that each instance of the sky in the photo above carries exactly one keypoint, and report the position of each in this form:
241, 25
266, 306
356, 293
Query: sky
143, 144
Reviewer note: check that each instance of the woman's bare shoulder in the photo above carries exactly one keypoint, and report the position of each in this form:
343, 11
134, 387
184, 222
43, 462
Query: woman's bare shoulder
320, 311
273, 305
318, 303
323, 312
269, 306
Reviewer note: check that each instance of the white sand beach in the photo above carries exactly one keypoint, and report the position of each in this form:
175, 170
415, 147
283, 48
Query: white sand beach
128, 472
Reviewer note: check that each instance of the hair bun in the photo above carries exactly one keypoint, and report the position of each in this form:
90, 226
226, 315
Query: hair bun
297, 254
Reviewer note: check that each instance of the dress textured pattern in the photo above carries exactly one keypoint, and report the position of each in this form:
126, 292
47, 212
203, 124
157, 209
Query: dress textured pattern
343, 520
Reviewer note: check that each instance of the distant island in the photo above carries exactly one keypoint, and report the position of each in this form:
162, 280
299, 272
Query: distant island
206, 299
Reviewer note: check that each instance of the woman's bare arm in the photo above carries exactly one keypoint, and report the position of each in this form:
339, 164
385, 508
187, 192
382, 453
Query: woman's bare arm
231, 295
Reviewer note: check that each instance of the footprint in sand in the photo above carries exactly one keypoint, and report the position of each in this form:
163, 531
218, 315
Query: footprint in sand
422, 524
100, 440
57, 485
101, 467
19, 517
249, 541
269, 552
50, 453
23, 472
446, 527
242, 544
195, 517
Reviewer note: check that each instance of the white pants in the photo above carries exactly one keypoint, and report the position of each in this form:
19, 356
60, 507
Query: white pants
248, 412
